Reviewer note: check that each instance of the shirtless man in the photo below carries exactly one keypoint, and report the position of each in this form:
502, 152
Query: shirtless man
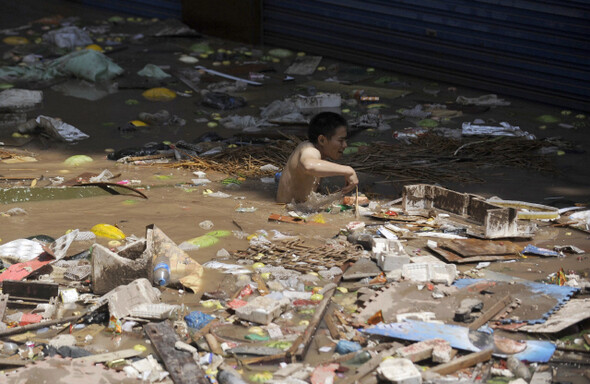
307, 164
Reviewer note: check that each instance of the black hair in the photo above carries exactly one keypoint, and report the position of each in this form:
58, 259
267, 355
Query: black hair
324, 123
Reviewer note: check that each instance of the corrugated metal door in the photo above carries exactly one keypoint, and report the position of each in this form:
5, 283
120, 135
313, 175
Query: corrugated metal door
534, 49
163, 9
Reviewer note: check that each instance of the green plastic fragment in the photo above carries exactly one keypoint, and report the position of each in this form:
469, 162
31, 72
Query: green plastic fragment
132, 102
116, 19
200, 47
219, 233
350, 150
280, 53
284, 345
428, 123
77, 160
255, 337
547, 119
203, 241
386, 79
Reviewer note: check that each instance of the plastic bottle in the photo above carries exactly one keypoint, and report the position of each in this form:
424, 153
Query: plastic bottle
360, 358
161, 271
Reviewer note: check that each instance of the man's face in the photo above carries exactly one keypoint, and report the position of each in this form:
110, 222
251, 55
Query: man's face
334, 146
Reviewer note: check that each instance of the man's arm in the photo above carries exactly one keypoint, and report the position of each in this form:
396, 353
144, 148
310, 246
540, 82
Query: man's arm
312, 164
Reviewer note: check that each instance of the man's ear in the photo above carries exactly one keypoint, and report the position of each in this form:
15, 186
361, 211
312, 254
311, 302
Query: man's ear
322, 140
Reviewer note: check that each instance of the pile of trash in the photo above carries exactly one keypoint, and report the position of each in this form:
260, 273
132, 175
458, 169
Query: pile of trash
385, 299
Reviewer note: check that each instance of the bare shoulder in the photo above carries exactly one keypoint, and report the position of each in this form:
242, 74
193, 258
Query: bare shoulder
308, 150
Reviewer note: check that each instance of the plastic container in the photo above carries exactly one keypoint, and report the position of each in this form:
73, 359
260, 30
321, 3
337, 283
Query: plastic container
161, 271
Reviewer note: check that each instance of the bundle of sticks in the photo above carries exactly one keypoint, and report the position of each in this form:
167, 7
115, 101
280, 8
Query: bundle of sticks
298, 256
429, 158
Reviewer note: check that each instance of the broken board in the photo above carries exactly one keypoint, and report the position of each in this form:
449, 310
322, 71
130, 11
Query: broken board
452, 257
364, 267
303, 65
27, 290
573, 312
386, 93
476, 247
21, 270
181, 365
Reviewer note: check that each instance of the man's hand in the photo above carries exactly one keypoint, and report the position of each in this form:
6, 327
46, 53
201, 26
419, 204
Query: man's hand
351, 182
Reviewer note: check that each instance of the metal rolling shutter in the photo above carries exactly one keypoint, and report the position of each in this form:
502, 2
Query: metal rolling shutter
538, 50
162, 9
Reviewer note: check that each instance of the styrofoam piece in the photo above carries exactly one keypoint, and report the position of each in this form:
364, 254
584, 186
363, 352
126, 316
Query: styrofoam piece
19, 100
78, 272
388, 262
159, 311
387, 233
295, 295
389, 253
61, 245
429, 317
399, 371
85, 235
69, 295
20, 250
321, 101
262, 310
426, 259
435, 272
125, 297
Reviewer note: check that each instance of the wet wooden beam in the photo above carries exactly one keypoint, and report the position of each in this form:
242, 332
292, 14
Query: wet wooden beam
462, 362
493, 311
181, 365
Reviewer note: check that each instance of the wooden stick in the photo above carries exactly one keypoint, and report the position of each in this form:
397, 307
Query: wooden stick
213, 344
462, 362
203, 331
368, 367
487, 315
334, 332
306, 336
357, 214
30, 327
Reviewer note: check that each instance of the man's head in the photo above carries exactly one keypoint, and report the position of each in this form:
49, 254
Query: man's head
327, 131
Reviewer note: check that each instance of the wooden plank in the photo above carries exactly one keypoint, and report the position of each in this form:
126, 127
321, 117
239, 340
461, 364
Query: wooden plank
30, 289
3, 302
307, 335
329, 320
487, 315
110, 356
476, 247
462, 362
368, 367
181, 365
388, 93
303, 65
456, 259
13, 363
